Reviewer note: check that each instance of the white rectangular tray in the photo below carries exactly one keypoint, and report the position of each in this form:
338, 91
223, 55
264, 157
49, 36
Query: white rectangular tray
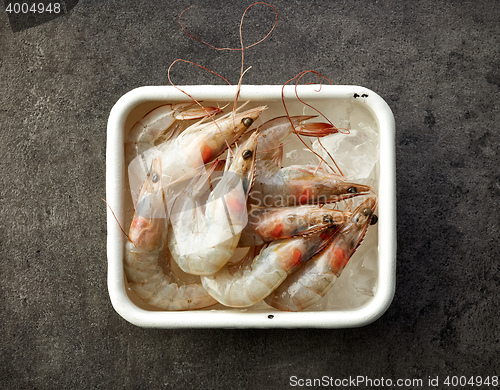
136, 103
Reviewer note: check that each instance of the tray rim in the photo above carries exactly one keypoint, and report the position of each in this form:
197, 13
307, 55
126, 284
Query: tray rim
115, 176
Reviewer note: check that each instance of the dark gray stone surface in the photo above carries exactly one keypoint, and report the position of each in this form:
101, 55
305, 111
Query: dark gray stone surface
435, 63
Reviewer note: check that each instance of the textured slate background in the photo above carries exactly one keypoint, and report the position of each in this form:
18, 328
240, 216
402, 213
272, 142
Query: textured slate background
435, 63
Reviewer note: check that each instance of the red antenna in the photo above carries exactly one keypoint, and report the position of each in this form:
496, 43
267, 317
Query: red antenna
116, 219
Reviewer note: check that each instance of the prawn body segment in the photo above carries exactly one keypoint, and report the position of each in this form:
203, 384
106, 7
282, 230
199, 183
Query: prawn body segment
201, 242
160, 288
314, 279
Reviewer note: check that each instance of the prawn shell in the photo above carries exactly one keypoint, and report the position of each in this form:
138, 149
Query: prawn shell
155, 123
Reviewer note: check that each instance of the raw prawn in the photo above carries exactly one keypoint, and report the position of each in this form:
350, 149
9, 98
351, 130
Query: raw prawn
269, 224
314, 279
245, 284
201, 243
203, 142
302, 184
146, 131
147, 237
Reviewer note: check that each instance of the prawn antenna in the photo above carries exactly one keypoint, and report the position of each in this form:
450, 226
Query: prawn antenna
329, 155
242, 47
116, 219
232, 48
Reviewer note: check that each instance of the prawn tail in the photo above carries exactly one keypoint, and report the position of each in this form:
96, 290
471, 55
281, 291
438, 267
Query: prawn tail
317, 129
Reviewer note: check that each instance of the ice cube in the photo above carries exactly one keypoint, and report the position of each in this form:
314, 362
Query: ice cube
356, 152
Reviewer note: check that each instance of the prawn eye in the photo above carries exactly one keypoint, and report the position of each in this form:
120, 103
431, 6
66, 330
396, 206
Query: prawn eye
374, 220
247, 153
352, 190
247, 122
327, 218
366, 212
155, 177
